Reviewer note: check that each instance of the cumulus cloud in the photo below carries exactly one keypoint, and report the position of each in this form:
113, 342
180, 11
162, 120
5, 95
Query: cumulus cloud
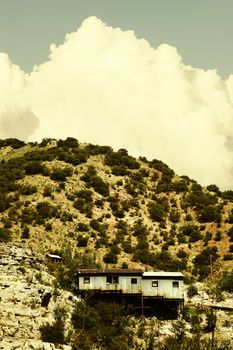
16, 118
105, 86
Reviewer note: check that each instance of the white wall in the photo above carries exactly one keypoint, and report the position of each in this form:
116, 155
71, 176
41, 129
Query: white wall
99, 283
165, 286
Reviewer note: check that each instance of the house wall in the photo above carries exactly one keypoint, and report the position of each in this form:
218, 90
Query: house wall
151, 287
166, 288
100, 283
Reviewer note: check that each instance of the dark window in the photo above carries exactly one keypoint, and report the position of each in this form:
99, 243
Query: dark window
134, 281
154, 283
109, 279
115, 279
175, 284
87, 279
112, 279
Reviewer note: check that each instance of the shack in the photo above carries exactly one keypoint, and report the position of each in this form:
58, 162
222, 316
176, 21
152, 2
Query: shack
155, 291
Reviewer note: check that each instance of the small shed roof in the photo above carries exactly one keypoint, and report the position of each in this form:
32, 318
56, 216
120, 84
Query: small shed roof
53, 256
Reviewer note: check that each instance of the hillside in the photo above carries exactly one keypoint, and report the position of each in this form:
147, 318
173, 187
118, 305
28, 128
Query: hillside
99, 207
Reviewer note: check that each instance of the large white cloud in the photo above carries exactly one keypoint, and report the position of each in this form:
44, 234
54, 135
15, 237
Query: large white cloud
16, 117
105, 86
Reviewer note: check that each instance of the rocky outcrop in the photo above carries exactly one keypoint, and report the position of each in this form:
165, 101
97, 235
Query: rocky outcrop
27, 298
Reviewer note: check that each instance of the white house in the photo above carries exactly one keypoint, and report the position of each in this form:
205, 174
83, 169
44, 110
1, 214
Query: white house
162, 285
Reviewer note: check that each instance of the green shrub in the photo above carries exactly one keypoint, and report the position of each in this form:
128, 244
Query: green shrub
226, 282
192, 291
60, 174
203, 261
121, 158
55, 332
28, 215
27, 189
182, 254
228, 257
25, 232
214, 188
110, 257
82, 241
69, 142
105, 326
120, 170
47, 191
5, 235
174, 215
192, 231
159, 165
45, 210
34, 167
158, 211
180, 186
209, 213
82, 227
93, 180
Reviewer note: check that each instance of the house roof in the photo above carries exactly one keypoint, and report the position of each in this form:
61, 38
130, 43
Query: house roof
163, 275
104, 272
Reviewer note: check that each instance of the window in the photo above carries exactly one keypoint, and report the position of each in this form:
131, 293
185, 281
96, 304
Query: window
175, 284
134, 281
112, 279
86, 279
115, 279
154, 283
109, 279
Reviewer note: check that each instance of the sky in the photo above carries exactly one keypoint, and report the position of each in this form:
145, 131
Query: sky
153, 76
201, 30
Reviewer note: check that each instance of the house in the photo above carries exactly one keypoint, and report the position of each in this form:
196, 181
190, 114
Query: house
168, 285
154, 290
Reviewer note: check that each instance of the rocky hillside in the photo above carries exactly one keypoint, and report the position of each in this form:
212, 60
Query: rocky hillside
28, 299
36, 314
99, 207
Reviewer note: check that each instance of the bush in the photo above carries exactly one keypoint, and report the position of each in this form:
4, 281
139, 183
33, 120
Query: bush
121, 158
111, 256
60, 174
209, 213
192, 291
25, 232
84, 202
27, 189
34, 167
5, 235
157, 211
182, 254
214, 188
192, 231
70, 142
47, 191
45, 210
174, 216
120, 170
104, 325
82, 241
93, 180
203, 260
226, 282
55, 333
